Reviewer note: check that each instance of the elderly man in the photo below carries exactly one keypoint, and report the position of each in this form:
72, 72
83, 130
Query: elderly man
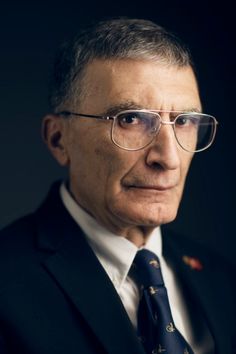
90, 271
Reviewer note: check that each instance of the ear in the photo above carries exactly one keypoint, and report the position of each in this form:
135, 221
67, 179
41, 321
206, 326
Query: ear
54, 136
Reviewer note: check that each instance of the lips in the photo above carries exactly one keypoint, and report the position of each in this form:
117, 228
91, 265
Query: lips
152, 187
159, 183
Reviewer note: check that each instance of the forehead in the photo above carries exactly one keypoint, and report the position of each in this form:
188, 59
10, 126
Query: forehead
147, 84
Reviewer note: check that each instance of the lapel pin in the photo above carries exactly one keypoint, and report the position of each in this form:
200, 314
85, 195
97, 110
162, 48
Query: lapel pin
193, 263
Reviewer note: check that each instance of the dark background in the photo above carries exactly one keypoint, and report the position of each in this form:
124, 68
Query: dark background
30, 33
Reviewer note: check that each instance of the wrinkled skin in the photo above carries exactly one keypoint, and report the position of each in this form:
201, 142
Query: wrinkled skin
129, 192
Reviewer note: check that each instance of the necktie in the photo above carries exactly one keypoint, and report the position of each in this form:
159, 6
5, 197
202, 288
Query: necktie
156, 327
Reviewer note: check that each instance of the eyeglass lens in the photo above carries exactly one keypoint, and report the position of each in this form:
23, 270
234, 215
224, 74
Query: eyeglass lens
135, 130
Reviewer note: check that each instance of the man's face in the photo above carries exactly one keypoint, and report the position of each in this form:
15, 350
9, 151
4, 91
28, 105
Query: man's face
124, 189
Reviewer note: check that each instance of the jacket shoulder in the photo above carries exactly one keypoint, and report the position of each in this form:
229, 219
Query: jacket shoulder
16, 232
17, 249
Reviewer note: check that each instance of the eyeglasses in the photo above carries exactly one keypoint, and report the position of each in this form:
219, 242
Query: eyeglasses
135, 129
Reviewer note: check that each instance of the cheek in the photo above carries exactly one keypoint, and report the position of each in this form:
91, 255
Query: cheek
96, 162
85, 147
112, 166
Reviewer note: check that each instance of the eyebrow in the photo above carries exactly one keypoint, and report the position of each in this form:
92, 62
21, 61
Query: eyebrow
197, 110
113, 110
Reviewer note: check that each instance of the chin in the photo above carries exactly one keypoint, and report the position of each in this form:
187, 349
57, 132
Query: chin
158, 220
146, 217
158, 214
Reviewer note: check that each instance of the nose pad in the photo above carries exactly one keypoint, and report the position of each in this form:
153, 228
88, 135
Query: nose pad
153, 131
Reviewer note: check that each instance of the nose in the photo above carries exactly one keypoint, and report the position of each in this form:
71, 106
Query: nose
164, 150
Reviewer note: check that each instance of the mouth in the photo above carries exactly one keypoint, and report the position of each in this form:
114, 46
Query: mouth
158, 188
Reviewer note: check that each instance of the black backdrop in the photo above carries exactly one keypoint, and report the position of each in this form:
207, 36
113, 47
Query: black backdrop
30, 33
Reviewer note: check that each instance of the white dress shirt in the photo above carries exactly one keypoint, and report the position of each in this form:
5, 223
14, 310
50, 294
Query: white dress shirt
116, 254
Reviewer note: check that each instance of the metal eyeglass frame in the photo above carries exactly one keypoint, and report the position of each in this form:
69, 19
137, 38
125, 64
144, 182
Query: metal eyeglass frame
162, 122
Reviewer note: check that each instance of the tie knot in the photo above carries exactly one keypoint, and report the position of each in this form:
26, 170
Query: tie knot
146, 269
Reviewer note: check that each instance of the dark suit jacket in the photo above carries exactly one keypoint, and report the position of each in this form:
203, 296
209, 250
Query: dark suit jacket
55, 297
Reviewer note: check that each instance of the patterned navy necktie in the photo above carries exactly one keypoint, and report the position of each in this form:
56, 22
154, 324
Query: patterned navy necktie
156, 327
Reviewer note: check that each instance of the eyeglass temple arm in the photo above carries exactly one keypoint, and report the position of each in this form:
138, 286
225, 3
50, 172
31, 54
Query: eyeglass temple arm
67, 113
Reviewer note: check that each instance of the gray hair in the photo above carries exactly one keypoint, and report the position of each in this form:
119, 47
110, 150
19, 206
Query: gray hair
111, 39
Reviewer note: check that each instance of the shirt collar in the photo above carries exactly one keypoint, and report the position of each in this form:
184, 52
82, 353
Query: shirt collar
115, 253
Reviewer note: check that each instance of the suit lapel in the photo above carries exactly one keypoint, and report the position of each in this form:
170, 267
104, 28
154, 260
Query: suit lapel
205, 287
73, 265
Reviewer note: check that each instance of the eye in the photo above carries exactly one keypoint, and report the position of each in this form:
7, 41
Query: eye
186, 121
129, 119
138, 121
182, 121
